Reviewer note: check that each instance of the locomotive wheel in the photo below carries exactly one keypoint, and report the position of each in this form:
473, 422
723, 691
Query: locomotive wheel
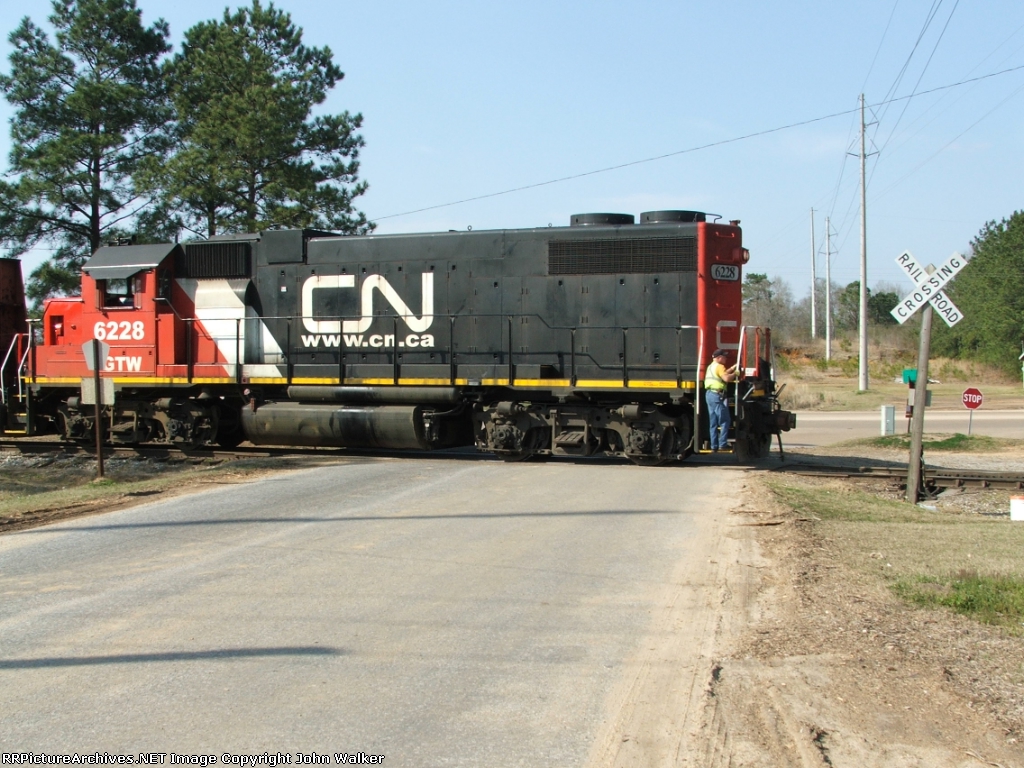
229, 429
665, 455
230, 438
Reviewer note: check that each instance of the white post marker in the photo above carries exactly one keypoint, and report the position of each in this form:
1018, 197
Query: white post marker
929, 288
96, 353
972, 399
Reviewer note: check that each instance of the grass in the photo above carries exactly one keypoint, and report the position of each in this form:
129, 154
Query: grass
814, 384
992, 599
966, 563
956, 442
65, 485
840, 502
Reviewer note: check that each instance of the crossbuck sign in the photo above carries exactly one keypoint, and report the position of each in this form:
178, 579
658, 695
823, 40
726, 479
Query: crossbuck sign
929, 288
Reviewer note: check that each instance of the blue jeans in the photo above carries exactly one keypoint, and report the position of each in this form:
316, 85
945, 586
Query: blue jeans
718, 418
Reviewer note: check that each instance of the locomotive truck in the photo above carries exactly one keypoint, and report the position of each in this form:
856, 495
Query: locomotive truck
564, 341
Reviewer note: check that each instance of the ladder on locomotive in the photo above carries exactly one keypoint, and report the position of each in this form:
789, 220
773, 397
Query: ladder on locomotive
755, 345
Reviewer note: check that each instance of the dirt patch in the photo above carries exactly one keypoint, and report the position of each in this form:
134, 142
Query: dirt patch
42, 489
839, 671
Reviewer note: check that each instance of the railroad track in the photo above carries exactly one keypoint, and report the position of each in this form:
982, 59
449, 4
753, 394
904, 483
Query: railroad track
36, 446
934, 477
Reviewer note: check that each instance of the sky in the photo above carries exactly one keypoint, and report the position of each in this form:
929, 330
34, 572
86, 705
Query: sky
465, 100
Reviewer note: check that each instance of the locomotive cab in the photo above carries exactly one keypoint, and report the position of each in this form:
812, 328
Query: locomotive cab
128, 301
120, 304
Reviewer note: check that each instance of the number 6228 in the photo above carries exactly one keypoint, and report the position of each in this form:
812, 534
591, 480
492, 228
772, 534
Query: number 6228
112, 330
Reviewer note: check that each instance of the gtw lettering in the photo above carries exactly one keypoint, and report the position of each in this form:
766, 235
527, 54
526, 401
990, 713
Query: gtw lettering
124, 363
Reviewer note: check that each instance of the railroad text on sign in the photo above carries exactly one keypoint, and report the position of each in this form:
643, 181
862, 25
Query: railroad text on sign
929, 288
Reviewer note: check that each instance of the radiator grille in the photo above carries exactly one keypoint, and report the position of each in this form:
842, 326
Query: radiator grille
622, 256
215, 260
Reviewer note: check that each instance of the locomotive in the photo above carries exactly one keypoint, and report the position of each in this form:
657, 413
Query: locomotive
557, 341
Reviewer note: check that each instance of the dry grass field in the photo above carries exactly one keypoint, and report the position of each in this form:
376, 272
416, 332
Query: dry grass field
813, 384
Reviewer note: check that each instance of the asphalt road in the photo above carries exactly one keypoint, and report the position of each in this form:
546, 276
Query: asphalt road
440, 612
828, 427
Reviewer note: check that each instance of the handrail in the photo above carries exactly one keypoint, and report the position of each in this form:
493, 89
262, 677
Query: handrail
696, 394
741, 353
3, 367
21, 364
223, 341
761, 334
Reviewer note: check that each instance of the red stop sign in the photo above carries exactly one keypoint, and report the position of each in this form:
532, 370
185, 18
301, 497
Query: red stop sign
972, 398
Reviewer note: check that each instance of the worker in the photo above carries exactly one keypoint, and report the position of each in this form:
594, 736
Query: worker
715, 381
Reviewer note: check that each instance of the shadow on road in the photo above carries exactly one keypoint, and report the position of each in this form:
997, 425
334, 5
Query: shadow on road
141, 658
352, 519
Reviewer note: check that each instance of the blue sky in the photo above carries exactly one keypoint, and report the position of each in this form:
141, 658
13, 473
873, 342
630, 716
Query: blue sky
463, 99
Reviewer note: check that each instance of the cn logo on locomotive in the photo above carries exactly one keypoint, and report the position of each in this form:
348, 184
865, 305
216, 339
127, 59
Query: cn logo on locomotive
333, 328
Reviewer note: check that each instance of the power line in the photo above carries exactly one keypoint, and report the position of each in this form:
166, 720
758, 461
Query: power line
920, 36
942, 99
880, 42
945, 146
689, 150
920, 77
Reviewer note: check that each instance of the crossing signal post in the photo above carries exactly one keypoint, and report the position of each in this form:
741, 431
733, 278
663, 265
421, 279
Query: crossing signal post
927, 294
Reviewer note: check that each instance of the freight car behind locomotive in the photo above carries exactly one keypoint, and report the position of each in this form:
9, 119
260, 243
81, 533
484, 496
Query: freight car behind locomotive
558, 340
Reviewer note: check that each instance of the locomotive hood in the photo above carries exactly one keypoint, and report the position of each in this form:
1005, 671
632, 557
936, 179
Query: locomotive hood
116, 262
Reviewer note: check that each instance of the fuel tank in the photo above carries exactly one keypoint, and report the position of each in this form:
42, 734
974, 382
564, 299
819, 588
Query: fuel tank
375, 395
409, 427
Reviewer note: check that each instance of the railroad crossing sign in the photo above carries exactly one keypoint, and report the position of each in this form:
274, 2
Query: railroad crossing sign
929, 288
972, 398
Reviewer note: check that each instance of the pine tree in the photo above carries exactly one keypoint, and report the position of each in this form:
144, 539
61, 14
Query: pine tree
990, 293
248, 153
89, 107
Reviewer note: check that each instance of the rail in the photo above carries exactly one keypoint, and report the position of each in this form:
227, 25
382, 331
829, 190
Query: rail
934, 477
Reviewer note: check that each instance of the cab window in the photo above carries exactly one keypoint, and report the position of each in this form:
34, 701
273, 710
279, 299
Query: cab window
118, 292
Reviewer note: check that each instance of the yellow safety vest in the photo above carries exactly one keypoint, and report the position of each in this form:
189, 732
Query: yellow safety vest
712, 379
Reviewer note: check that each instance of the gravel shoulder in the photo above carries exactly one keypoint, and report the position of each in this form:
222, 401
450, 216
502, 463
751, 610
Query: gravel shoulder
838, 671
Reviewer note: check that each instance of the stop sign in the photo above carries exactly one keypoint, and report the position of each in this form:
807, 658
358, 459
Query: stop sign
972, 398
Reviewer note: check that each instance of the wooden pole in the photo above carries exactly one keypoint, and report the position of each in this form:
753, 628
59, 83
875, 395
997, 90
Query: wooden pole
920, 398
862, 372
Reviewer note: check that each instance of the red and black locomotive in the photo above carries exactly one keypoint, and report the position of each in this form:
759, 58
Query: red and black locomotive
568, 341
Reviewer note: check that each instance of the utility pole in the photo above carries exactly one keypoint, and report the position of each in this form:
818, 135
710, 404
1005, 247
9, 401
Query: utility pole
862, 378
828, 290
814, 281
